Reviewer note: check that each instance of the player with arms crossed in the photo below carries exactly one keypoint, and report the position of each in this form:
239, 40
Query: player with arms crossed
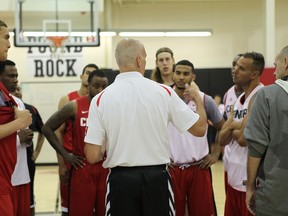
247, 74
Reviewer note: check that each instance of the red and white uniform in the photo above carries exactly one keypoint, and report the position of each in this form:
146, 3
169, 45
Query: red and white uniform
20, 178
182, 151
8, 155
237, 164
87, 184
237, 158
67, 144
192, 185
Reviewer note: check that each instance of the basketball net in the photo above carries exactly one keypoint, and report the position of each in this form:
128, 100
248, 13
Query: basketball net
57, 42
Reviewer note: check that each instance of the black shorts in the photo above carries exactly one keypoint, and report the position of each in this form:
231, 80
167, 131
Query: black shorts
141, 191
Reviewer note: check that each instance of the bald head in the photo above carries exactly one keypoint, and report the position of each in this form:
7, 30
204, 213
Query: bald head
128, 54
281, 64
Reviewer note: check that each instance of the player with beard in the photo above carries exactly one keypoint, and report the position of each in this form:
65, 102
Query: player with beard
190, 158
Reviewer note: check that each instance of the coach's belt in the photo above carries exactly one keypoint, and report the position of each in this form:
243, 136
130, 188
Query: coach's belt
186, 165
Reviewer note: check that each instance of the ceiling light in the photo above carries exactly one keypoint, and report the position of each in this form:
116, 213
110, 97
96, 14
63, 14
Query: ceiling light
108, 33
141, 34
165, 33
189, 34
112, 33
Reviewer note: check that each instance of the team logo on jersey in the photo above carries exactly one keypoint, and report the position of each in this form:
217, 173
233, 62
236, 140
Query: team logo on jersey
83, 122
239, 114
229, 108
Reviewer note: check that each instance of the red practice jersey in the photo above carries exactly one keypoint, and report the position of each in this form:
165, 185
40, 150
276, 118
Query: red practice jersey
67, 142
8, 154
80, 125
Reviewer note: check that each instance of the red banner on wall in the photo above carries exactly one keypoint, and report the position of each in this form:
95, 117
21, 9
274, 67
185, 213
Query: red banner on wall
267, 76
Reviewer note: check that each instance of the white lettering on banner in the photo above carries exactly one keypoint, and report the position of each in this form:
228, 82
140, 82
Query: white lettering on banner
41, 63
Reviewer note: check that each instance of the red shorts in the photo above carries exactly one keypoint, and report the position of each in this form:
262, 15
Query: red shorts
6, 206
192, 187
21, 200
88, 190
235, 203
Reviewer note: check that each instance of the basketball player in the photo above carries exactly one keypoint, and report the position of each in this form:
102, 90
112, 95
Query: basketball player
247, 74
132, 115
229, 99
20, 178
190, 158
32, 154
64, 134
87, 185
12, 119
164, 67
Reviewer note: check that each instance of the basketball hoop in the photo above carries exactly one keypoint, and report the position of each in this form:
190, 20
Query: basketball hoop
57, 42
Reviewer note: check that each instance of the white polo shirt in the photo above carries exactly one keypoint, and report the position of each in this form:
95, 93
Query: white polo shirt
133, 114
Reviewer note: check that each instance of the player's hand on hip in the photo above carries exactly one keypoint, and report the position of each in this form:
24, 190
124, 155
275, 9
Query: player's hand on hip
208, 161
75, 160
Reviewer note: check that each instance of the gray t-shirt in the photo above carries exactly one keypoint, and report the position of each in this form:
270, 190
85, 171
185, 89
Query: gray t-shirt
267, 136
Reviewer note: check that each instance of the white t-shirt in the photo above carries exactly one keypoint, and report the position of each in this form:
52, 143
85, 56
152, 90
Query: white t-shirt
133, 114
21, 173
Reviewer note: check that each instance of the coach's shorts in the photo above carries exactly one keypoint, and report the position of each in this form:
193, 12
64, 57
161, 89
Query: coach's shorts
144, 190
